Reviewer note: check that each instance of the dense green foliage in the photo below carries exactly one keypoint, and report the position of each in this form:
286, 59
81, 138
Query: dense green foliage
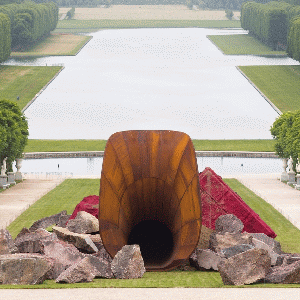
30, 21
5, 37
13, 132
267, 22
293, 48
78, 3
286, 131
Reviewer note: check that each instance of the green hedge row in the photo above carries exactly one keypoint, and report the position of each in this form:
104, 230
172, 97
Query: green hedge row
5, 37
30, 21
268, 22
293, 48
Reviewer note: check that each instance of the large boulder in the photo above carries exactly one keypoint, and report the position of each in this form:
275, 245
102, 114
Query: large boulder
272, 243
62, 254
245, 268
7, 245
205, 259
219, 241
32, 242
83, 223
232, 251
59, 219
23, 268
286, 273
204, 237
229, 223
261, 245
103, 254
128, 263
80, 241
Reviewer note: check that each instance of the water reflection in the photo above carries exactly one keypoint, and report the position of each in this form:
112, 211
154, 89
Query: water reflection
92, 166
173, 79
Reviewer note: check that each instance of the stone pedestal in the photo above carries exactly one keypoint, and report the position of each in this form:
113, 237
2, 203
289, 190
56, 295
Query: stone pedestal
3, 182
298, 182
11, 178
284, 174
18, 174
291, 177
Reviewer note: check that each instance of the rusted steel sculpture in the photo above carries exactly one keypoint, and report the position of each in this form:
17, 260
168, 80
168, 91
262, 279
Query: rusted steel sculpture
149, 195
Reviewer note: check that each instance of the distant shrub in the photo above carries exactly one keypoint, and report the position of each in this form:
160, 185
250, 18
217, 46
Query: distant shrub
71, 13
229, 13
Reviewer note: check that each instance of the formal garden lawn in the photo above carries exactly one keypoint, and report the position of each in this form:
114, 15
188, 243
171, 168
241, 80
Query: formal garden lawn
99, 145
280, 84
71, 191
243, 44
84, 26
55, 44
24, 82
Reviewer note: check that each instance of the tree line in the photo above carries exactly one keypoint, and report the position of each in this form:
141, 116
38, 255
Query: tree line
13, 132
275, 23
28, 22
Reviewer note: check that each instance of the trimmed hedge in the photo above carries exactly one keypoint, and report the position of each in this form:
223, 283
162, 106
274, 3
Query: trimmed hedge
5, 37
268, 22
293, 48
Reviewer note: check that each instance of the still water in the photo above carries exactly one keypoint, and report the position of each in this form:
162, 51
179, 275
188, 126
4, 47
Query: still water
92, 166
173, 79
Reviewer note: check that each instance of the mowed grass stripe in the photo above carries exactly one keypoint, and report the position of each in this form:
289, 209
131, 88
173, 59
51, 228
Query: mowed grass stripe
107, 24
55, 44
243, 44
280, 84
71, 191
24, 82
99, 145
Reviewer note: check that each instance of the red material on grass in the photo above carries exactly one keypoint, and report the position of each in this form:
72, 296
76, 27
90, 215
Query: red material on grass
217, 199
89, 204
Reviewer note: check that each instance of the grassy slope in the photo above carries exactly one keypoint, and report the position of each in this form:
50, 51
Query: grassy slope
70, 192
280, 84
93, 25
242, 44
55, 45
98, 145
24, 82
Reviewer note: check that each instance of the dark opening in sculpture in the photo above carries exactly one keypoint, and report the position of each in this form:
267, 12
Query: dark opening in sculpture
149, 195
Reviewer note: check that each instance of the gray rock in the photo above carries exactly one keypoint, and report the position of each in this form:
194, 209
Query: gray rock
286, 273
261, 245
23, 268
83, 223
48, 221
103, 254
229, 223
7, 245
23, 231
272, 243
96, 239
287, 258
205, 259
245, 268
128, 263
101, 267
219, 241
80, 241
231, 251
32, 242
62, 254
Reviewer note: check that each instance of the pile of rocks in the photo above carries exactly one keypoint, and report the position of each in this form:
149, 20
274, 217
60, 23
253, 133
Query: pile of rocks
71, 253
244, 258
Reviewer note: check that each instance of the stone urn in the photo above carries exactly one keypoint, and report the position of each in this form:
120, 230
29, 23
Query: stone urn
18, 175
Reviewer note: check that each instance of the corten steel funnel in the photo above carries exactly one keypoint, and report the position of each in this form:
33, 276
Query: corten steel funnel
150, 196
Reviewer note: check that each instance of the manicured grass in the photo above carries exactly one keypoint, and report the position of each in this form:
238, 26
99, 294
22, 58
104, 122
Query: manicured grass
55, 44
280, 84
64, 197
71, 191
243, 44
94, 25
99, 145
24, 82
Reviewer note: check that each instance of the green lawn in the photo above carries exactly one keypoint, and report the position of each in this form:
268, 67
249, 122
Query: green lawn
24, 82
76, 26
280, 84
71, 191
99, 145
243, 44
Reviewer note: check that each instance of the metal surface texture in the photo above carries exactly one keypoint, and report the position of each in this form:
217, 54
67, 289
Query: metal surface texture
150, 195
